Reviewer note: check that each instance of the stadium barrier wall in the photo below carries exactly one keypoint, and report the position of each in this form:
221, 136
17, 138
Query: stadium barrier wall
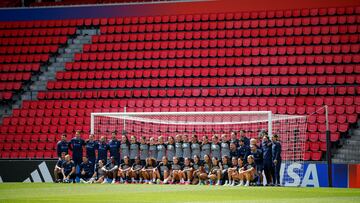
315, 174
161, 8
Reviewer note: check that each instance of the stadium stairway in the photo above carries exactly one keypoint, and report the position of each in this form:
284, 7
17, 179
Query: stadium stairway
349, 152
48, 71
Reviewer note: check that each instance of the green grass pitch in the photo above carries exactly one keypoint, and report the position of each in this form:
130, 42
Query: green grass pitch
42, 192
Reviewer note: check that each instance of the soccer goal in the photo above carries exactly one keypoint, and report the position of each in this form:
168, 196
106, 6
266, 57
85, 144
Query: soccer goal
291, 129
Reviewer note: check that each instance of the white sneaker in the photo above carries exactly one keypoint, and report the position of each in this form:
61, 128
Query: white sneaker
165, 181
233, 183
182, 181
247, 183
82, 180
104, 182
113, 181
226, 183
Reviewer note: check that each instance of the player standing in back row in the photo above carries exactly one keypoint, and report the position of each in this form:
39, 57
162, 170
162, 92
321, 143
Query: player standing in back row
76, 146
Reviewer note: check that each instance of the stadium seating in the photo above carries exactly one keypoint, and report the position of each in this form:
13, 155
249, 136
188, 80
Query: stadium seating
286, 61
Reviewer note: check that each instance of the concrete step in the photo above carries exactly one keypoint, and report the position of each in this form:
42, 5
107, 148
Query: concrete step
89, 32
356, 132
352, 142
347, 156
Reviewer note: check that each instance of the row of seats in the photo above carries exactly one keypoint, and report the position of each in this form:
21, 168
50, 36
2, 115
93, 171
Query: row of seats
27, 145
229, 52
157, 61
38, 154
33, 40
68, 117
10, 86
89, 74
229, 43
15, 76
187, 105
191, 96
106, 128
229, 34
225, 25
38, 32
205, 72
206, 82
204, 92
211, 63
314, 156
28, 67
28, 49
315, 137
30, 138
24, 58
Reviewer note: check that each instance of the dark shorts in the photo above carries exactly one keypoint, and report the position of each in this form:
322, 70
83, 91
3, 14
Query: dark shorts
259, 168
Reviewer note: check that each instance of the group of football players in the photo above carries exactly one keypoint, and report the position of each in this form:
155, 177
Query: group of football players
224, 160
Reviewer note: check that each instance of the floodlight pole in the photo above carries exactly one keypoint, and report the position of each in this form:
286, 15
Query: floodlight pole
328, 147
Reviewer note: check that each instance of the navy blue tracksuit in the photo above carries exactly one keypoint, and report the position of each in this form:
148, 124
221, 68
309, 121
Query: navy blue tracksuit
76, 146
88, 168
276, 155
114, 148
62, 146
103, 151
267, 160
244, 151
91, 147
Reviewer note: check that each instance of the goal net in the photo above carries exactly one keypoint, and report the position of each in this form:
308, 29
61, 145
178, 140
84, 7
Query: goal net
291, 129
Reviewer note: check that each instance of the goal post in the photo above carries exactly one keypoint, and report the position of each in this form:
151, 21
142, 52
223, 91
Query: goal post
291, 129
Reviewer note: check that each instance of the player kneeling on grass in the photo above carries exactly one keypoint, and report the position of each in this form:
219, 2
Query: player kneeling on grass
176, 173
124, 170
86, 170
111, 170
148, 170
187, 171
58, 168
99, 175
248, 172
162, 171
68, 170
135, 170
215, 172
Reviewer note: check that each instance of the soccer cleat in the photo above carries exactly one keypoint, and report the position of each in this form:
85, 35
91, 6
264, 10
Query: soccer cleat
247, 183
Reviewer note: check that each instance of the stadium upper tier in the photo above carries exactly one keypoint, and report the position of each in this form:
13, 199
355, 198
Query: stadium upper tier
285, 61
